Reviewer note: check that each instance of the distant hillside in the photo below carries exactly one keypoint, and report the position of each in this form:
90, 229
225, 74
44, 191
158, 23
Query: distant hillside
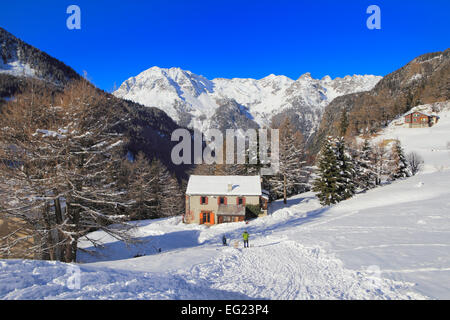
424, 80
21, 59
24, 68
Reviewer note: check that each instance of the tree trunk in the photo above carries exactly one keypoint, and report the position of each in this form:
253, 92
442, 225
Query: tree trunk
284, 190
49, 241
59, 250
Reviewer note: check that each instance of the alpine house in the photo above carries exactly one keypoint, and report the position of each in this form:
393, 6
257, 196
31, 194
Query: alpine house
218, 199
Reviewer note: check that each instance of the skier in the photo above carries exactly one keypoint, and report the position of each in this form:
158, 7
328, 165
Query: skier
224, 240
245, 236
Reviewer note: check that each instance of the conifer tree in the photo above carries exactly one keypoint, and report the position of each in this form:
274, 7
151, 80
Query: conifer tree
344, 123
326, 181
346, 176
400, 164
363, 161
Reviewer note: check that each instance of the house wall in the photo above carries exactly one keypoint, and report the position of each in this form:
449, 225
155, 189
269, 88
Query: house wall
194, 208
418, 120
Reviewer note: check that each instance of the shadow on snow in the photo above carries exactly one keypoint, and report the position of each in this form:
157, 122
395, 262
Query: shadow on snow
150, 245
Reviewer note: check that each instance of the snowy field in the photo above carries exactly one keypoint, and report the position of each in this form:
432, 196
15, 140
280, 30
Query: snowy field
392, 242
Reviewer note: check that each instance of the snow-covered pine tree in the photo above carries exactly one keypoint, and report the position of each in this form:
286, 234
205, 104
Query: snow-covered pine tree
326, 182
346, 185
400, 163
363, 162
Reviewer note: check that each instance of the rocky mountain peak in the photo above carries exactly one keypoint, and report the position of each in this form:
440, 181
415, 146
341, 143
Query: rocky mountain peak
192, 99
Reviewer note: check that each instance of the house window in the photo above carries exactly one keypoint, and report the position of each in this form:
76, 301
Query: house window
203, 200
240, 201
222, 200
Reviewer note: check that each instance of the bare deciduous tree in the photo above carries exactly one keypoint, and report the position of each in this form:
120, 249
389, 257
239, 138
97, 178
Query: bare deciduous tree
60, 159
415, 162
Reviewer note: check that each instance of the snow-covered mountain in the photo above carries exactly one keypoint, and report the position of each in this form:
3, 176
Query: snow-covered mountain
196, 102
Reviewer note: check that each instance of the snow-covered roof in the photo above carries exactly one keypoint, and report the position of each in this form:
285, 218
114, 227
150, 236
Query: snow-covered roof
421, 112
218, 185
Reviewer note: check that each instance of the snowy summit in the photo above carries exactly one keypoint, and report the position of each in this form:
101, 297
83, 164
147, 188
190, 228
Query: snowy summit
196, 102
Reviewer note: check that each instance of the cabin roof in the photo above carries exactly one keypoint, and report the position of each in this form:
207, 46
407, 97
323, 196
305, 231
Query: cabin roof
424, 113
218, 185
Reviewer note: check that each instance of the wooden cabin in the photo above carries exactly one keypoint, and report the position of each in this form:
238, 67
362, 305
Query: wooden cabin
417, 119
219, 199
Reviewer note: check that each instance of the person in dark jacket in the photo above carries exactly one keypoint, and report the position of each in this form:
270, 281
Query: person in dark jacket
224, 240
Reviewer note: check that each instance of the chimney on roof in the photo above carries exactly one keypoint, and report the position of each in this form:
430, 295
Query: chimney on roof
230, 187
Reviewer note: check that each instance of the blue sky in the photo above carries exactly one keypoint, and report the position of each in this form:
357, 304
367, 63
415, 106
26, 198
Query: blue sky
119, 39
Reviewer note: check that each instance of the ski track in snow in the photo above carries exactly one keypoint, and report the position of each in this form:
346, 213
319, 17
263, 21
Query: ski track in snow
286, 270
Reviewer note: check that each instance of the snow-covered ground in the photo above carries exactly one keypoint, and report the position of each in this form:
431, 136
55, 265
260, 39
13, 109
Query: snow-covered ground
392, 242
17, 68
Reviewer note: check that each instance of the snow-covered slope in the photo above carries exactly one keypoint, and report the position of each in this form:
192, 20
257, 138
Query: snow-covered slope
16, 68
196, 102
12, 59
391, 242
432, 144
20, 59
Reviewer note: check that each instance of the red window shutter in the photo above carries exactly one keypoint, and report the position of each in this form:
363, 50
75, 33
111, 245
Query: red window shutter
225, 200
206, 200
243, 201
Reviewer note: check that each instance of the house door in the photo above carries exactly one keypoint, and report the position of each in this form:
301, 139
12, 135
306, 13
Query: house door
206, 217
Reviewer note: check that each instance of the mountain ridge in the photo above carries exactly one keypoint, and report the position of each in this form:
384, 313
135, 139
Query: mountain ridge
193, 100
